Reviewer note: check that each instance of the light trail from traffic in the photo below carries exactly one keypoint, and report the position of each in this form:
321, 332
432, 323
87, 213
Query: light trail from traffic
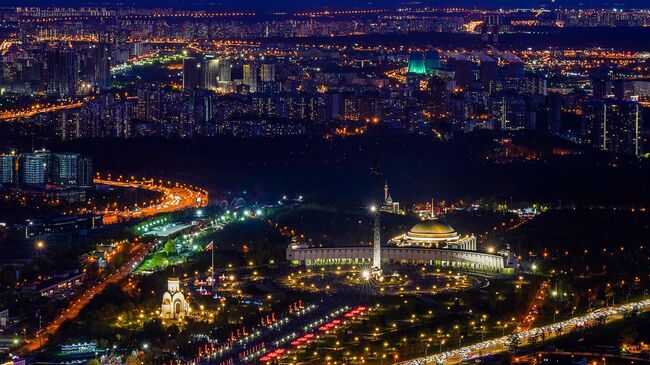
139, 252
30, 112
175, 197
533, 308
6, 45
547, 332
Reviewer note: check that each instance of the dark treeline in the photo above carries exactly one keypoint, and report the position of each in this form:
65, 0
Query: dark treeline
417, 168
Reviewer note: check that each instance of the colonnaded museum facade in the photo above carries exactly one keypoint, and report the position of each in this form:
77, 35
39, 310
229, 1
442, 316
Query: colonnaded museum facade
429, 242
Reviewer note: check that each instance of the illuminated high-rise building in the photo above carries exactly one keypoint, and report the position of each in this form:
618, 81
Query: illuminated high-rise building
250, 76
510, 112
137, 49
416, 64
211, 73
64, 169
225, 70
150, 104
61, 72
94, 67
84, 172
68, 125
614, 126
267, 72
438, 97
32, 170
7, 169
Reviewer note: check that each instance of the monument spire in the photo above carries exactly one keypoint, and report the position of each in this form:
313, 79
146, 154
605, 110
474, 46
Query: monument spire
376, 248
386, 191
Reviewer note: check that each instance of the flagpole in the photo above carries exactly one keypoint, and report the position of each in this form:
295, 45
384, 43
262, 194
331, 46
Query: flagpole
212, 273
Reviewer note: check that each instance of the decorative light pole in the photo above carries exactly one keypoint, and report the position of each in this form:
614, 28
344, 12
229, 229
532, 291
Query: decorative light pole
376, 248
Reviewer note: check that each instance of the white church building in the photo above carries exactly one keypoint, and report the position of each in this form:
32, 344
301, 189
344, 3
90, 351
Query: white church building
174, 304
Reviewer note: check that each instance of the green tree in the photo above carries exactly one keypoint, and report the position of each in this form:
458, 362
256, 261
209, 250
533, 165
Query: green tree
170, 248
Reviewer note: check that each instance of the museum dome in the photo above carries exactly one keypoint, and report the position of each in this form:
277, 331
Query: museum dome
432, 229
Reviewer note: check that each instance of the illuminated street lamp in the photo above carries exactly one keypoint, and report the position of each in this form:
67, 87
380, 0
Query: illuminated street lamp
366, 274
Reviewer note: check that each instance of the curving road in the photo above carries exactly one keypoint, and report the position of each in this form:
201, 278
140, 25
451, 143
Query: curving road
175, 198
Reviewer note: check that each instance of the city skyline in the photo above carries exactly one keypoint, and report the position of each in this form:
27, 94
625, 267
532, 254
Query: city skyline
324, 183
258, 5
